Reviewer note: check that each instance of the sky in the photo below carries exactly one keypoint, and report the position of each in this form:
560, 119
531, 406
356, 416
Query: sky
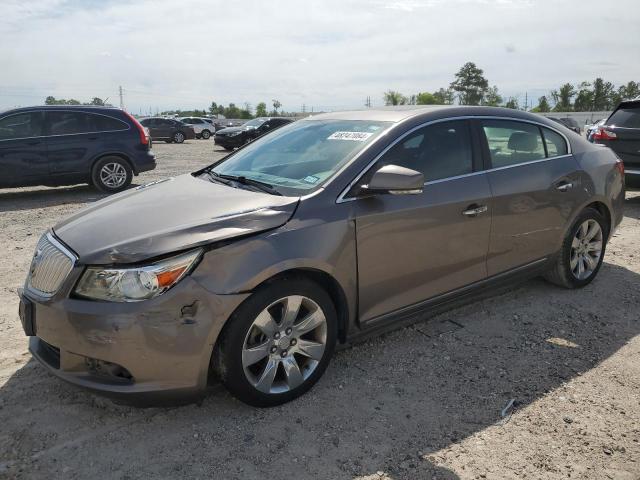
326, 55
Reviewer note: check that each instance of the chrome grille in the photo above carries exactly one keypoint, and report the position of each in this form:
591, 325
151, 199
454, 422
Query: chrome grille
50, 266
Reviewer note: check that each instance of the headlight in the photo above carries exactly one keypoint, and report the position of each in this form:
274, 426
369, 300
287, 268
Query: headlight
234, 134
138, 283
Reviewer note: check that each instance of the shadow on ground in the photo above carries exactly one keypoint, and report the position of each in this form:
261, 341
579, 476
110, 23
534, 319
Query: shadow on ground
382, 406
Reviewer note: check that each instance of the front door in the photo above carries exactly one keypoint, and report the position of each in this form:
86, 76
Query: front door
23, 150
414, 247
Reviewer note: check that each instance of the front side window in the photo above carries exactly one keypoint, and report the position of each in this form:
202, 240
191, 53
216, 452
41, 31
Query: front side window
21, 125
301, 156
511, 142
438, 151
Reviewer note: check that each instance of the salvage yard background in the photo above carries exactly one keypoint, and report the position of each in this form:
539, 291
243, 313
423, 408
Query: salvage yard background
422, 402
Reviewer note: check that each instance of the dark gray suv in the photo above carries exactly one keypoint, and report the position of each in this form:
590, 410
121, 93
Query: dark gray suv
327, 230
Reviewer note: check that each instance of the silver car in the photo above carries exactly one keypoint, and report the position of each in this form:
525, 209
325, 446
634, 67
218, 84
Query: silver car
203, 128
325, 231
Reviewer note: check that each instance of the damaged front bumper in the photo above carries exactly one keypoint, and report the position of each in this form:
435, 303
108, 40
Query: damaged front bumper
141, 351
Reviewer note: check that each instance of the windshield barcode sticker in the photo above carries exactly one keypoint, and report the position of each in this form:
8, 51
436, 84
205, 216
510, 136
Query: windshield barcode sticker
355, 136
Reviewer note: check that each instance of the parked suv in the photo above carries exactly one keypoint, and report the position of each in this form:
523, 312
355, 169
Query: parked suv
202, 128
66, 145
233, 137
168, 129
327, 230
621, 133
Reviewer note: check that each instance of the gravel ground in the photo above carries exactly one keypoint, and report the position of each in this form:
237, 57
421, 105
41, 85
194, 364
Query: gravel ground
422, 402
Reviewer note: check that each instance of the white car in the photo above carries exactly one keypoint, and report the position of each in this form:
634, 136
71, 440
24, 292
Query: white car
202, 128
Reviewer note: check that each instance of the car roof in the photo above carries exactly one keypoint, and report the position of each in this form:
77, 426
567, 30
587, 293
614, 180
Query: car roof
62, 107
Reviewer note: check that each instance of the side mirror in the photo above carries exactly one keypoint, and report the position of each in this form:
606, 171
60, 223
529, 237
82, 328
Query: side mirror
396, 180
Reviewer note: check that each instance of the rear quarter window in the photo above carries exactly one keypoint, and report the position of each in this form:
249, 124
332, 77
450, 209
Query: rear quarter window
102, 123
625, 117
555, 143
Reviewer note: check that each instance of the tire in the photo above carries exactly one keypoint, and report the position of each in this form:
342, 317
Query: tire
569, 270
111, 174
228, 149
205, 134
275, 347
178, 137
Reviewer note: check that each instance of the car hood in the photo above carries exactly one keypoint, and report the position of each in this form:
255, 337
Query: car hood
167, 216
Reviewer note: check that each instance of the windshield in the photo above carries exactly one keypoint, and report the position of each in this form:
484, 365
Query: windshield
256, 122
300, 157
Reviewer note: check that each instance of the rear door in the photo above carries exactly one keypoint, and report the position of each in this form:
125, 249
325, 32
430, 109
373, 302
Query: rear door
536, 188
23, 151
625, 123
414, 247
71, 141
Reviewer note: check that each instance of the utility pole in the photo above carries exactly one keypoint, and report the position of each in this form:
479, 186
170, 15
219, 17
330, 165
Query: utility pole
526, 101
121, 97
304, 108
368, 102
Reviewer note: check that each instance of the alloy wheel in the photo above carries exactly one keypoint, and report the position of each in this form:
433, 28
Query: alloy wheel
586, 249
284, 344
113, 175
178, 137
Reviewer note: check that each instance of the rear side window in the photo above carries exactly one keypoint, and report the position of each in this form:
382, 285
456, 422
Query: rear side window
556, 144
511, 142
102, 123
21, 125
625, 117
438, 151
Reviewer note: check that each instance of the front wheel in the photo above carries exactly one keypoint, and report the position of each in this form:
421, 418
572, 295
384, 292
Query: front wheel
178, 137
582, 251
278, 343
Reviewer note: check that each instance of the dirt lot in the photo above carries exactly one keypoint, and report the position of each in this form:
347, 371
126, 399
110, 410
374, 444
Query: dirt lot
422, 402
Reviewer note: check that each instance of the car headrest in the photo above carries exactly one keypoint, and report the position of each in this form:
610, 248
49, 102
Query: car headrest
523, 141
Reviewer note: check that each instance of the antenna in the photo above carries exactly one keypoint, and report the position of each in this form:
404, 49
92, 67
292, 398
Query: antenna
120, 92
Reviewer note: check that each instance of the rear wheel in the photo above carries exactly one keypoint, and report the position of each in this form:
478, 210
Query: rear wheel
178, 137
111, 174
205, 134
582, 251
278, 343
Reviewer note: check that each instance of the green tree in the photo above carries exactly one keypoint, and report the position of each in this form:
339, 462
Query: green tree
584, 98
562, 98
213, 108
512, 103
97, 101
261, 110
602, 94
543, 105
444, 96
470, 84
492, 98
426, 98
276, 106
391, 97
232, 111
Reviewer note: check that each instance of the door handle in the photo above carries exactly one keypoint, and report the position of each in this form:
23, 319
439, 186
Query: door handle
564, 186
473, 210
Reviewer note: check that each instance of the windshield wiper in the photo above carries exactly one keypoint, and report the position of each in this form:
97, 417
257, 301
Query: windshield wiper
265, 187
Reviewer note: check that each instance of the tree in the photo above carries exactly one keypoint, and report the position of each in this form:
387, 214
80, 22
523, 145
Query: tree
562, 98
492, 98
602, 94
426, 98
97, 101
50, 100
543, 105
470, 84
213, 108
444, 96
232, 111
584, 98
512, 103
391, 97
276, 105
261, 110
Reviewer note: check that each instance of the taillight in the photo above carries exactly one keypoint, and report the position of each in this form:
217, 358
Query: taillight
144, 137
620, 167
604, 134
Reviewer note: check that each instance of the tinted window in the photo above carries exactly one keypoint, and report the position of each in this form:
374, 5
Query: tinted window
625, 117
439, 151
556, 144
68, 123
102, 123
165, 123
21, 125
195, 121
511, 143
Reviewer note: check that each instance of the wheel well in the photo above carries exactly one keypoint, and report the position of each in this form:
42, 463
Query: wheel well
603, 210
330, 285
119, 155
